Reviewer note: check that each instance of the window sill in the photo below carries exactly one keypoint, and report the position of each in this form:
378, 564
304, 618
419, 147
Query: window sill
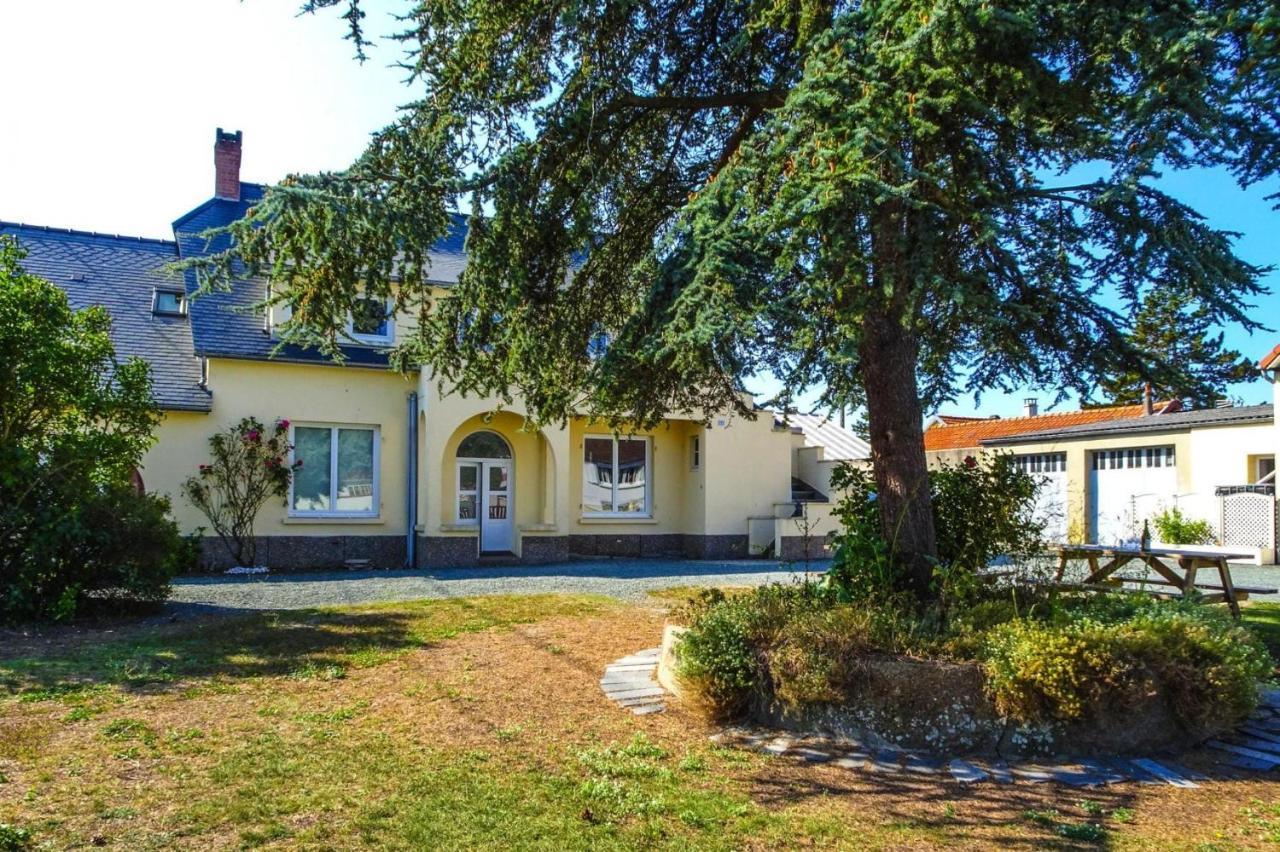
538, 528
617, 519
304, 520
474, 529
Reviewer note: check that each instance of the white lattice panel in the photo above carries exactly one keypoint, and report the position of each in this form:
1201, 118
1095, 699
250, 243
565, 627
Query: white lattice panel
1249, 520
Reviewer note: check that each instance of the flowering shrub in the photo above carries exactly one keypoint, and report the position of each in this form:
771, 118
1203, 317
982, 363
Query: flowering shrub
1198, 660
250, 466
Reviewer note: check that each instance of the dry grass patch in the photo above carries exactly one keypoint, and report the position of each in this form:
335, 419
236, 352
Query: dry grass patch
464, 724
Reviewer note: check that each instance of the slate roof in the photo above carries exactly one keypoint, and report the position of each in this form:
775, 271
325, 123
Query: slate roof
1172, 422
837, 442
121, 274
956, 433
225, 324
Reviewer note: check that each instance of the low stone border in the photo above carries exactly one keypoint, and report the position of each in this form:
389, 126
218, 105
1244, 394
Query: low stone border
631, 682
1255, 745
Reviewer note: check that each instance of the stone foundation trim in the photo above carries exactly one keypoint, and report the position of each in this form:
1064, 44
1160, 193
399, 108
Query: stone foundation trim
310, 552
796, 548
448, 551
659, 545
541, 549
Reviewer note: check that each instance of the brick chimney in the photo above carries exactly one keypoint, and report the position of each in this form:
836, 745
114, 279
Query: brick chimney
226, 165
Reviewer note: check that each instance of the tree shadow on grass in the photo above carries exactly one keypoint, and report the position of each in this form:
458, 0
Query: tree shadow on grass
960, 812
312, 643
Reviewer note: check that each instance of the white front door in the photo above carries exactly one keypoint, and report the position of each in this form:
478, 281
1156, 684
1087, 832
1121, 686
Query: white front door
496, 516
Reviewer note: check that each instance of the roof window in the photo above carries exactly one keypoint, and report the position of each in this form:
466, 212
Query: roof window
169, 303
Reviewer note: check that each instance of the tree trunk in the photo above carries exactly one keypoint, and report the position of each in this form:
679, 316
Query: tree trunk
888, 365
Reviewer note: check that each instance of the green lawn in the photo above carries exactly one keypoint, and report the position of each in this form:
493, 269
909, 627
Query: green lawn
473, 723
1264, 618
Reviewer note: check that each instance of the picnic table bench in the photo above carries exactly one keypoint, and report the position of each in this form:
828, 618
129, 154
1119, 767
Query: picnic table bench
1176, 567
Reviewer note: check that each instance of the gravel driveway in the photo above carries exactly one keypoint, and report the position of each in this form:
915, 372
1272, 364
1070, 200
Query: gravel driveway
628, 579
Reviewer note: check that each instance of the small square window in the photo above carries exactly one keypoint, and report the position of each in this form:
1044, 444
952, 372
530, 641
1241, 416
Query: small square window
371, 321
169, 302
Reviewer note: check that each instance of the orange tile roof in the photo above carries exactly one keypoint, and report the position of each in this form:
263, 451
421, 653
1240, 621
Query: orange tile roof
955, 433
1271, 360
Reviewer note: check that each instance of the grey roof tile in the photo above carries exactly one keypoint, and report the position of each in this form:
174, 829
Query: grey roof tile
1172, 422
121, 274
225, 324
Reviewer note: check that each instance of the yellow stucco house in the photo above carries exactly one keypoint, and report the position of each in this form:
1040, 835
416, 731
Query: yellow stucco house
395, 473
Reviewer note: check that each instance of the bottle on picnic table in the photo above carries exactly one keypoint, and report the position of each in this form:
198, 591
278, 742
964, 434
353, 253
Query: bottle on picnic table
1145, 543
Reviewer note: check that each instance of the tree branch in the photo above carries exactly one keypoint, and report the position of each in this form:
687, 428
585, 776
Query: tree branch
765, 99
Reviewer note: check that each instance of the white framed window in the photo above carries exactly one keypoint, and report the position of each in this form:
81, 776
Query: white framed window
483, 459
695, 452
371, 321
615, 476
172, 303
339, 475
1135, 458
1041, 463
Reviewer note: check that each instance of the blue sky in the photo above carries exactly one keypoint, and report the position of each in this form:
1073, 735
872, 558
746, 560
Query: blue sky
110, 111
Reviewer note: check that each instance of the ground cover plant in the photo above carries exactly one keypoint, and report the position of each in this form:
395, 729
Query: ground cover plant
1045, 656
472, 723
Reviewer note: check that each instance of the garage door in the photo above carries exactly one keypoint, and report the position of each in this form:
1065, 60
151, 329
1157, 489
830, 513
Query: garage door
1127, 487
1050, 472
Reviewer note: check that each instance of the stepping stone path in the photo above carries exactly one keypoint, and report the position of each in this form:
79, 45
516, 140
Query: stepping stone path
631, 682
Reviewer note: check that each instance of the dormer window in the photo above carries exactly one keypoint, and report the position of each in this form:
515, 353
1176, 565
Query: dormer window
371, 321
598, 344
169, 303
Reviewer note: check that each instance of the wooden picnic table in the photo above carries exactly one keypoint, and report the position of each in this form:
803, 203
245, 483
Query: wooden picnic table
1178, 568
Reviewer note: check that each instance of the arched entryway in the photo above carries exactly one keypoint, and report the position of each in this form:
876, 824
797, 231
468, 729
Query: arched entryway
485, 489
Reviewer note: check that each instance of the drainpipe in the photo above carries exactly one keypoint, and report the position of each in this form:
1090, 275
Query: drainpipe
411, 492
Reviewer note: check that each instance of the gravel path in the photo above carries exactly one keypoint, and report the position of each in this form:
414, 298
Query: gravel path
620, 578
627, 579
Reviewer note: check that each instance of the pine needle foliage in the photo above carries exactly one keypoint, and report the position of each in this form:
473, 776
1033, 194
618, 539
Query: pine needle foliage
880, 200
1171, 329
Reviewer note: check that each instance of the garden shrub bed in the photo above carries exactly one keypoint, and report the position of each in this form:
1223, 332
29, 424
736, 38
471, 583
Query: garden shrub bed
1009, 672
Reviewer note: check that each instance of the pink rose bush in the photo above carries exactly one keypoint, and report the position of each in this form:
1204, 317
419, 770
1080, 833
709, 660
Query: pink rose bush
250, 465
